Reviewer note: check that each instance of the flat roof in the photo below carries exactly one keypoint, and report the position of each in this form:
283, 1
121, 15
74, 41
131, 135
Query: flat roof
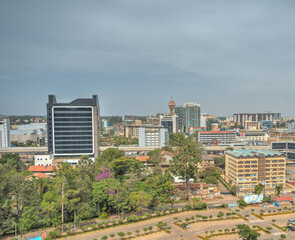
253, 152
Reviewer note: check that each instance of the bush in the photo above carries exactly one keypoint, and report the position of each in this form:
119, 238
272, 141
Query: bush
84, 228
137, 231
112, 235
283, 236
104, 238
93, 226
158, 213
242, 203
120, 220
99, 224
121, 234
220, 214
104, 215
54, 234
187, 207
132, 218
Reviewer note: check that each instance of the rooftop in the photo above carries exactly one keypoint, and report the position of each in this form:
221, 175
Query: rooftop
253, 152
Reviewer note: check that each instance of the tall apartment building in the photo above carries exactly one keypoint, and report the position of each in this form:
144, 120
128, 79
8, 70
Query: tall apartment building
153, 137
73, 128
189, 116
180, 112
255, 117
192, 115
169, 122
4, 133
245, 168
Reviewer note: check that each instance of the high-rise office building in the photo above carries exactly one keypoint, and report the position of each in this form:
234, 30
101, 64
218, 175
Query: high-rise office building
180, 112
4, 133
169, 122
73, 128
192, 115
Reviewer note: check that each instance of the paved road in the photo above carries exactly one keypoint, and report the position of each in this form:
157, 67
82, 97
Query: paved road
197, 228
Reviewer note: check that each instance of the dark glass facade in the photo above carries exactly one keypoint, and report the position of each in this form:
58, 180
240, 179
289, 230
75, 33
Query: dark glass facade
73, 127
168, 125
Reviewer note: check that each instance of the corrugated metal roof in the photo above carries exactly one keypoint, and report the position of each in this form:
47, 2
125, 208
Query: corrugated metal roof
253, 152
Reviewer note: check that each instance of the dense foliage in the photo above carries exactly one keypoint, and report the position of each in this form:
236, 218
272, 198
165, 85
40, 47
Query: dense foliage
111, 184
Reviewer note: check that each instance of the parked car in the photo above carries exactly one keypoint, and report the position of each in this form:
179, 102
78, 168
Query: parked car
283, 192
291, 228
291, 221
263, 205
293, 191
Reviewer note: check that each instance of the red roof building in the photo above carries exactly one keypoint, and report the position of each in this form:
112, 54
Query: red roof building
284, 199
38, 175
41, 169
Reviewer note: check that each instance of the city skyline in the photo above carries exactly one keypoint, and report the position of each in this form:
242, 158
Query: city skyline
228, 56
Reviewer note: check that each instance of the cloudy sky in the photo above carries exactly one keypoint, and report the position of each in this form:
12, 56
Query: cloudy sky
229, 56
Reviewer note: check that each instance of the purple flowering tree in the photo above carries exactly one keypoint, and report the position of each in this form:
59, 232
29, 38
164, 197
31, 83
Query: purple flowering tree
104, 175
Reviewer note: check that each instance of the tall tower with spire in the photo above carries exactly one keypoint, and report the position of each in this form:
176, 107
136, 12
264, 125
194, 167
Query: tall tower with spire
171, 106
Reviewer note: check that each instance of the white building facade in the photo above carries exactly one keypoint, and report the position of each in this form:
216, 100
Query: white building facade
4, 133
153, 137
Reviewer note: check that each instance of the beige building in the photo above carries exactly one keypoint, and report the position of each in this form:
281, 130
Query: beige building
251, 125
245, 168
256, 136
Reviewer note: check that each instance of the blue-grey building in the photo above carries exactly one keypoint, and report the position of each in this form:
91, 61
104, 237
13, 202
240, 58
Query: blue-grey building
73, 128
266, 125
192, 115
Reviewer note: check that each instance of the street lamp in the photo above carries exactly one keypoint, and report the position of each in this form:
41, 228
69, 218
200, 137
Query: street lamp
15, 230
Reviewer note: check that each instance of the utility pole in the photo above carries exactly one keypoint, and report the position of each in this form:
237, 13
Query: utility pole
62, 208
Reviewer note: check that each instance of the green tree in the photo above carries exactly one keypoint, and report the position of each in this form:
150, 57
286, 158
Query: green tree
185, 161
108, 156
279, 189
29, 219
220, 161
161, 188
125, 165
246, 233
11, 161
140, 200
258, 189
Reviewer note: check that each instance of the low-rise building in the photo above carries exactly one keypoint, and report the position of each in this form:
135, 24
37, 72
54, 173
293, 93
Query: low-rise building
41, 169
256, 136
217, 137
252, 125
44, 159
245, 168
198, 190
